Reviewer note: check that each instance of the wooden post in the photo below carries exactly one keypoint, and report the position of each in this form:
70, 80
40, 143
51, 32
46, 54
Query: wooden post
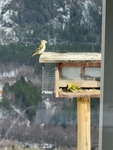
57, 80
83, 126
82, 71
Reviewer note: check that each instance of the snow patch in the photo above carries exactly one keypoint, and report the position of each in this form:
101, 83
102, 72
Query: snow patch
47, 103
16, 109
6, 16
3, 3
60, 9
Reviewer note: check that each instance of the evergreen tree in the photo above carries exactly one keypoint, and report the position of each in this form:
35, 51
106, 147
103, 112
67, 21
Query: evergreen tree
23, 94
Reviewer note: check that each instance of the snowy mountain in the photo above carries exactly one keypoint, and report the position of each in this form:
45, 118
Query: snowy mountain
12, 18
29, 21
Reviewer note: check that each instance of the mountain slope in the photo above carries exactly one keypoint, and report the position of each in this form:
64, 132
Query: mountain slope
28, 21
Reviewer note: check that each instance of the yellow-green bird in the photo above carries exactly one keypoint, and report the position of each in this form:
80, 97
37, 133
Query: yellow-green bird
41, 48
73, 87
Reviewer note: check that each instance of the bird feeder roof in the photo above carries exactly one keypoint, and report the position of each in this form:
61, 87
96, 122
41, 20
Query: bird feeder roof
52, 57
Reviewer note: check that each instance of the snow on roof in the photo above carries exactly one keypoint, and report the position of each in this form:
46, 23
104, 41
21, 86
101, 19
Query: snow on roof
52, 57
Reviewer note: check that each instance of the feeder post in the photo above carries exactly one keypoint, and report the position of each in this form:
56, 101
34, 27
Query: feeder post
83, 125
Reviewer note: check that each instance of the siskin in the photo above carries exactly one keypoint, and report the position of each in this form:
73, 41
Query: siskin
41, 48
72, 88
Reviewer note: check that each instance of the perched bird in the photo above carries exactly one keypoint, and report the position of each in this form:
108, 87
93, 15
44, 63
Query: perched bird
73, 87
41, 48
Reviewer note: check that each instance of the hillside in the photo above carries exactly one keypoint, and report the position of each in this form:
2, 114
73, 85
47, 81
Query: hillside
59, 22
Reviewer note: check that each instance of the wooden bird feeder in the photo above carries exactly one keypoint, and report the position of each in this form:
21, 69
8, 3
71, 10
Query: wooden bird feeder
82, 70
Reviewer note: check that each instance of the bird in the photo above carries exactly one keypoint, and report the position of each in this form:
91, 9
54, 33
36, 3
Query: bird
73, 87
41, 48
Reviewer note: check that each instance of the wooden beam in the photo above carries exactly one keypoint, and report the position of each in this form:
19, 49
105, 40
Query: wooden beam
52, 57
90, 93
88, 64
83, 124
57, 80
82, 72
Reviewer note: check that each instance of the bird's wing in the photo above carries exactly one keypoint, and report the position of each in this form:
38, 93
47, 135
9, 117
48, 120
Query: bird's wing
39, 48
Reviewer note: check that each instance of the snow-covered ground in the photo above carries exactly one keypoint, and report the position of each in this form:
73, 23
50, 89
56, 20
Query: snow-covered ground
36, 145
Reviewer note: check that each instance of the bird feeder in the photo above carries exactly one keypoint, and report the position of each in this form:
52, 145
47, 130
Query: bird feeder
80, 70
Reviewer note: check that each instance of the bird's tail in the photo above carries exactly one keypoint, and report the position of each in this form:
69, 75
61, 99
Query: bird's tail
34, 54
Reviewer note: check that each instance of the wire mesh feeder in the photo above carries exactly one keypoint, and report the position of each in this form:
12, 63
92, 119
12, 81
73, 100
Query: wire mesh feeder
48, 79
